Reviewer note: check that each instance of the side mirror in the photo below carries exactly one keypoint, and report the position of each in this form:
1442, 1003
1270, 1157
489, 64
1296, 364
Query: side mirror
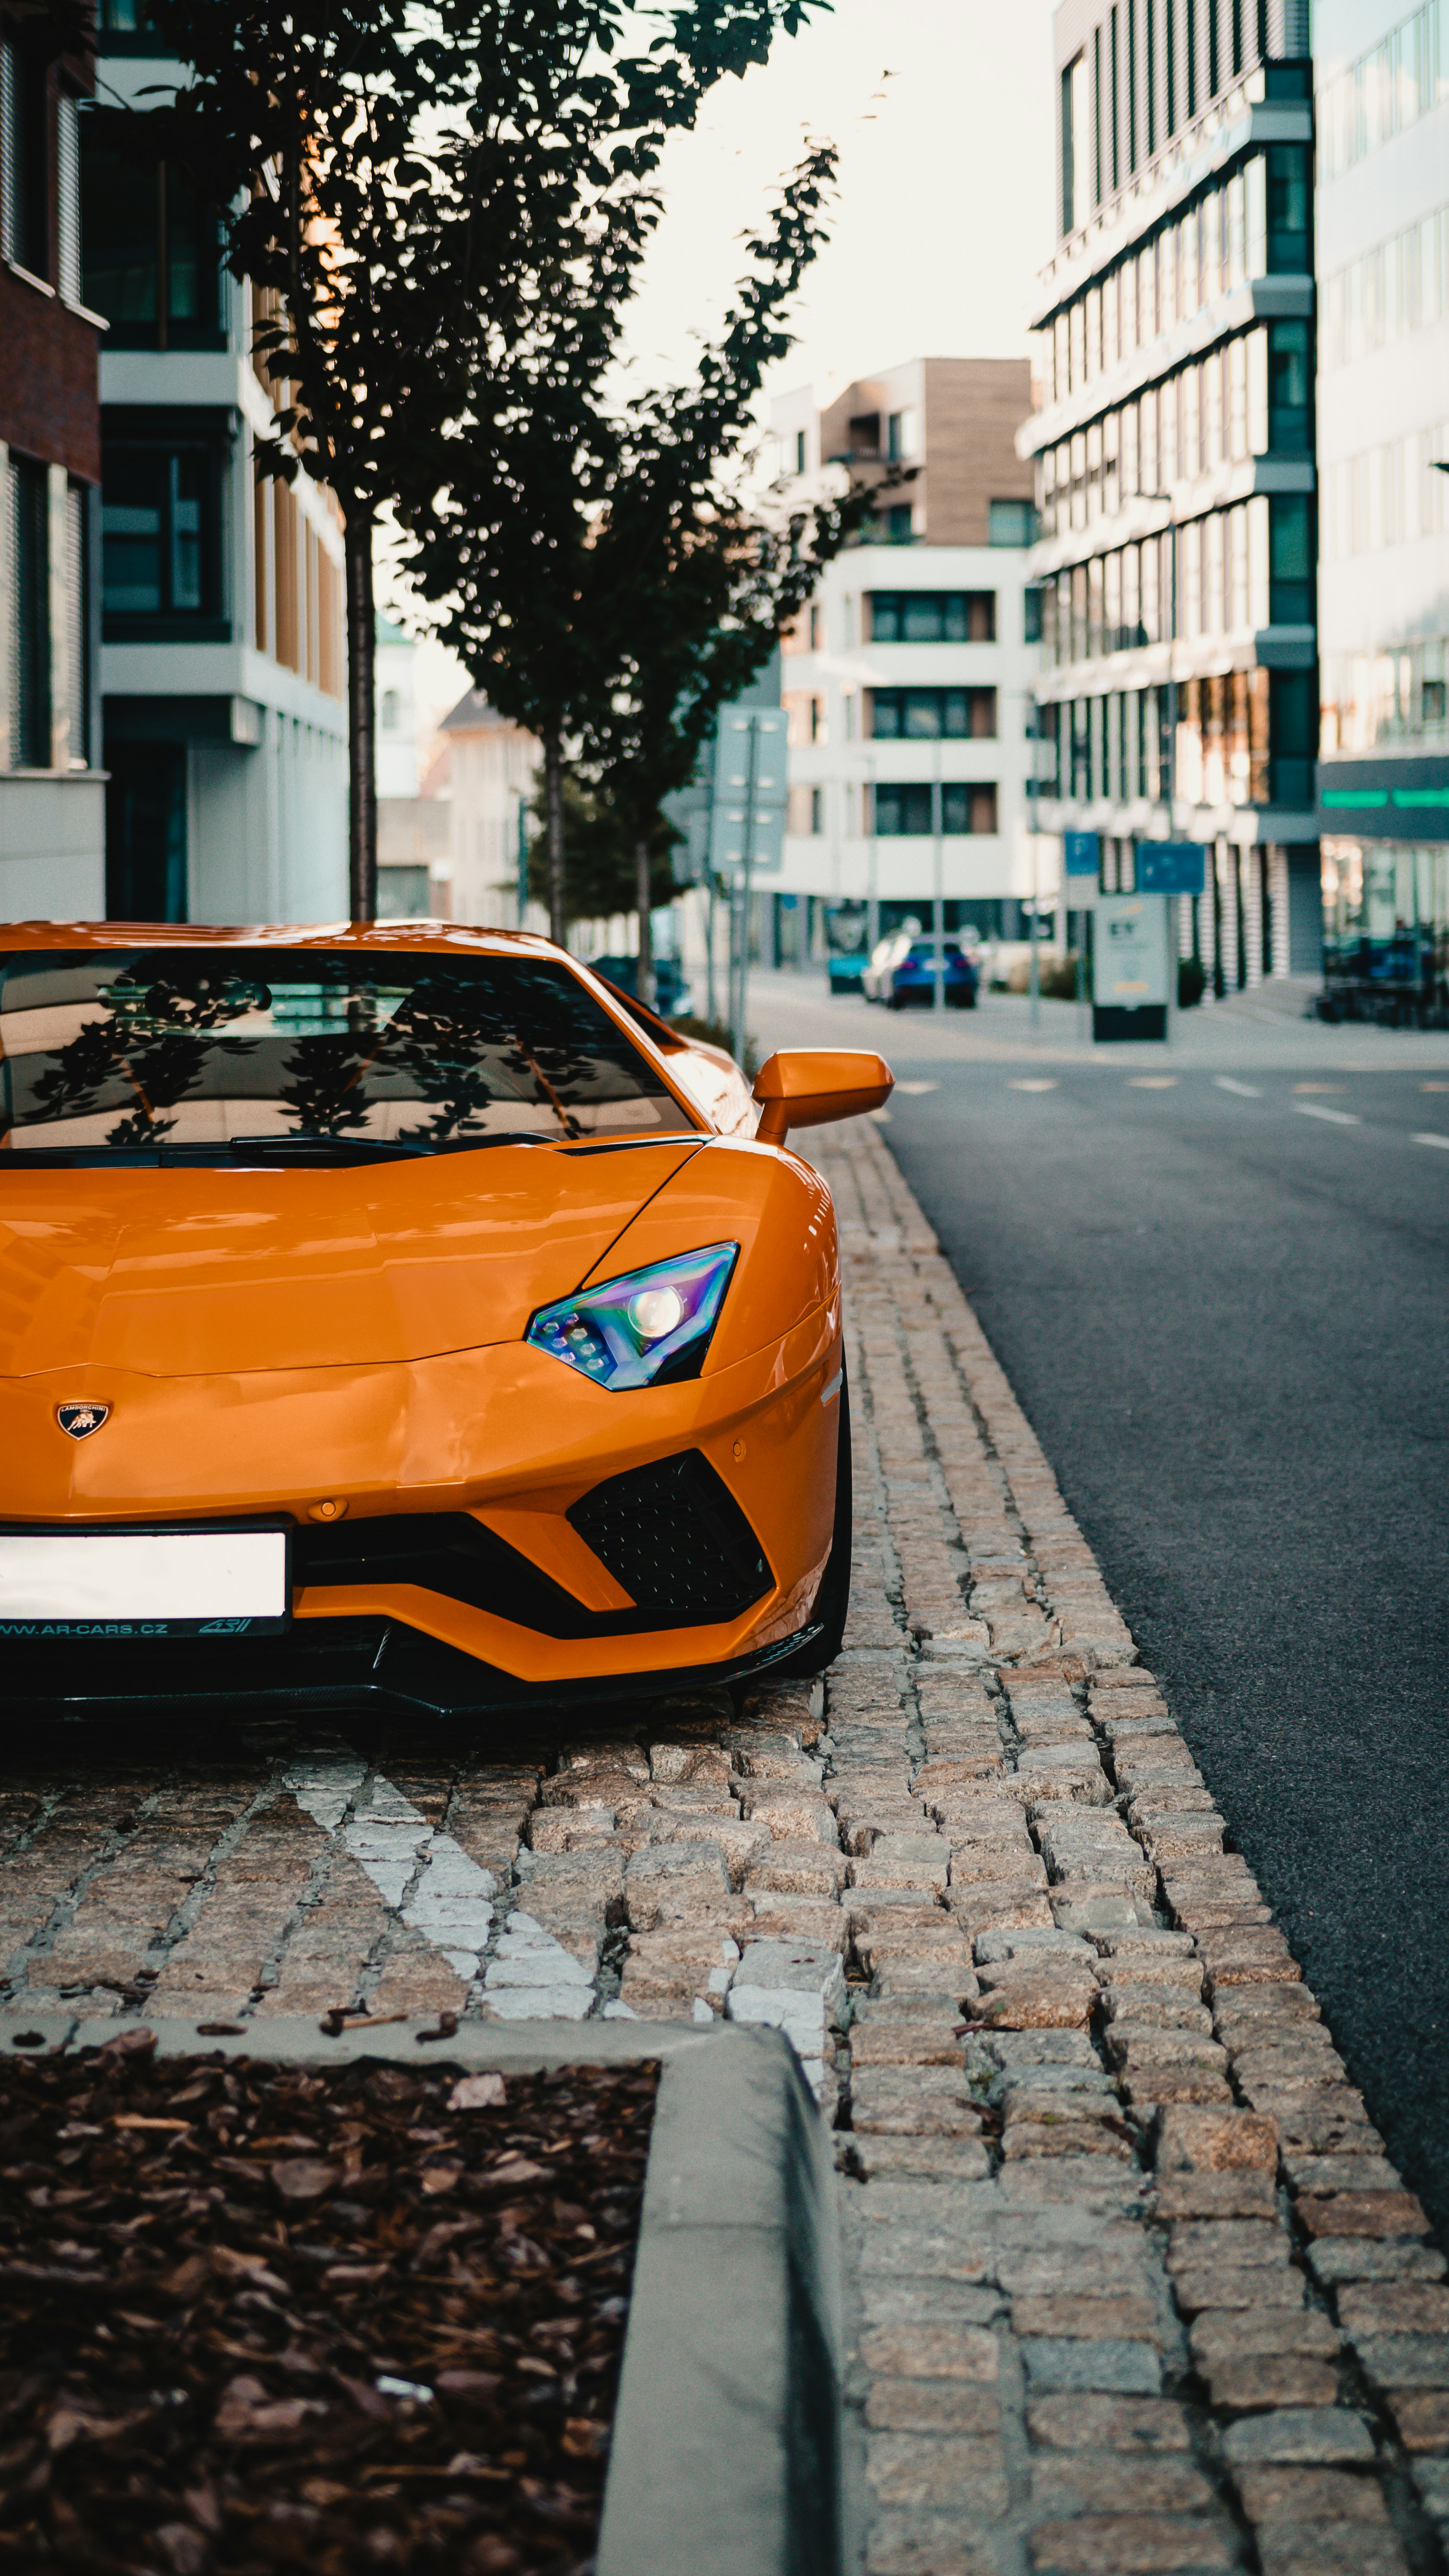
810, 1086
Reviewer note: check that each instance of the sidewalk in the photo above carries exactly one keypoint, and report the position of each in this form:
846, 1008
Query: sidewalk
1256, 1030
1132, 2287
1133, 2280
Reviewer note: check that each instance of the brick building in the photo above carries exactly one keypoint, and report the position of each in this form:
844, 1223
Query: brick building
52, 823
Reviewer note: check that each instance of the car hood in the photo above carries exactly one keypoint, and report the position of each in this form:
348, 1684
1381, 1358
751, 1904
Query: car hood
181, 1273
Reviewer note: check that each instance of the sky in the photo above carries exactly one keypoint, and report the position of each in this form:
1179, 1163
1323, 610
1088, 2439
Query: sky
942, 112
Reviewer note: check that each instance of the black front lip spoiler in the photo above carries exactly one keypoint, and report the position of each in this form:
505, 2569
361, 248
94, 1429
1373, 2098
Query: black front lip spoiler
407, 1675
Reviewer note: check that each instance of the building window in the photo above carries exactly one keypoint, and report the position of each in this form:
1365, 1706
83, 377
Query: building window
932, 616
896, 524
390, 704
807, 809
77, 639
1290, 388
901, 436
161, 532
28, 498
1290, 188
905, 811
1031, 614
1290, 561
799, 451
24, 154
928, 715
1011, 523
1293, 720
151, 253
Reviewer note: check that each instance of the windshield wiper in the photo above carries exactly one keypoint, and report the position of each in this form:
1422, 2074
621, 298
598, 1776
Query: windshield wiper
317, 1150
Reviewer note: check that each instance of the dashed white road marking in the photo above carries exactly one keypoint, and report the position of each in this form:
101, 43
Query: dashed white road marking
1320, 1086
450, 1901
1031, 1086
1340, 1117
1151, 1081
1427, 1137
917, 1090
1244, 1090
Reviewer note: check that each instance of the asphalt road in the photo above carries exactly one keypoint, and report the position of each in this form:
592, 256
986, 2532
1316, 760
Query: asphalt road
1221, 1301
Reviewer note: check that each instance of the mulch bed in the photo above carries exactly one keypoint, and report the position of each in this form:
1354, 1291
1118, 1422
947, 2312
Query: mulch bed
254, 2317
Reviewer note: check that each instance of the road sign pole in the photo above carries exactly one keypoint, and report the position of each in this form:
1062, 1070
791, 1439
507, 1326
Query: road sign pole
1170, 1014
1034, 976
938, 905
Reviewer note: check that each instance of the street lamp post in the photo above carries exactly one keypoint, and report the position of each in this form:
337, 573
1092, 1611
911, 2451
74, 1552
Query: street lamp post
872, 882
1171, 757
938, 904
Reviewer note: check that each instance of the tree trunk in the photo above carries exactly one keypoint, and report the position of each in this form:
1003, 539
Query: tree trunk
644, 979
553, 801
361, 719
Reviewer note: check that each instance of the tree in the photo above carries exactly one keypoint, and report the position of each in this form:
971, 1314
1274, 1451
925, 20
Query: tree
592, 563
693, 584
400, 185
601, 855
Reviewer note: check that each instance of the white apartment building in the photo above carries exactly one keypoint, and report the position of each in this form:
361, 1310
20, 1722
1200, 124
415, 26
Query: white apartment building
414, 868
1383, 438
491, 765
908, 680
223, 672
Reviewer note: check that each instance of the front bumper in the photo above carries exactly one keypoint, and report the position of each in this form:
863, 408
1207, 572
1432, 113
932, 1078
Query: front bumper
374, 1665
502, 1447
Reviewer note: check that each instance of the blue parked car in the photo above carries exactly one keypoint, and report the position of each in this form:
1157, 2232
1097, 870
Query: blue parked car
903, 970
673, 999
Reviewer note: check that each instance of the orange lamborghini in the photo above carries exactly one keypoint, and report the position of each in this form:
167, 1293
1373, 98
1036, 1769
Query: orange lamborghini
401, 1312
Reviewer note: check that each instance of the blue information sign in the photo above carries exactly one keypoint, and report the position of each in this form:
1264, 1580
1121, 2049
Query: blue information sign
1082, 853
1170, 867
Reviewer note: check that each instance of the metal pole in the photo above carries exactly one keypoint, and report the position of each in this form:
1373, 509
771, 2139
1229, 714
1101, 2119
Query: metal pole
1081, 974
1034, 976
744, 880
522, 859
938, 905
1171, 794
872, 904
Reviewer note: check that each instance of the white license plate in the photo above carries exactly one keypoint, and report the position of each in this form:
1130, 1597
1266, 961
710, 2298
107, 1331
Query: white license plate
143, 1581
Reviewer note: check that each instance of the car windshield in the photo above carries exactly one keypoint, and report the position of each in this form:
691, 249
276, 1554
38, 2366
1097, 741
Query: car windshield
309, 1053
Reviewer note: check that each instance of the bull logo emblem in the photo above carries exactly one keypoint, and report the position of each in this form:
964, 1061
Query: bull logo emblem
78, 1421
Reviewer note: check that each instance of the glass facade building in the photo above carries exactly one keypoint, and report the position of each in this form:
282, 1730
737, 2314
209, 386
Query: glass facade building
1174, 443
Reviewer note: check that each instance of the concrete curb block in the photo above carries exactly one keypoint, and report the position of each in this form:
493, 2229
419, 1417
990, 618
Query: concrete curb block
725, 2456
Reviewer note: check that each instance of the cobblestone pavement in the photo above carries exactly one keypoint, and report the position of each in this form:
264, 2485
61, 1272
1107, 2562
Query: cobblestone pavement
1133, 2286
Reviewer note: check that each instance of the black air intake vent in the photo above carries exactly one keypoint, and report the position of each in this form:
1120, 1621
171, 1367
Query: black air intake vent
676, 1539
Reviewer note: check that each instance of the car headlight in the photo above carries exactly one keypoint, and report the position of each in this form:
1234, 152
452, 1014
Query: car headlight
650, 1328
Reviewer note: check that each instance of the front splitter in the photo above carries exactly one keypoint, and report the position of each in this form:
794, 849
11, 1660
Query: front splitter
376, 1665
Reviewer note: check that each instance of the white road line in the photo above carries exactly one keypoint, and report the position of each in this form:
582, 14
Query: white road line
1031, 1086
397, 1847
1339, 1117
1427, 1137
1151, 1081
1244, 1090
916, 1090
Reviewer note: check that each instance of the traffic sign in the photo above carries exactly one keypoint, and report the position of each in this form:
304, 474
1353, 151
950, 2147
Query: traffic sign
1082, 853
1171, 867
